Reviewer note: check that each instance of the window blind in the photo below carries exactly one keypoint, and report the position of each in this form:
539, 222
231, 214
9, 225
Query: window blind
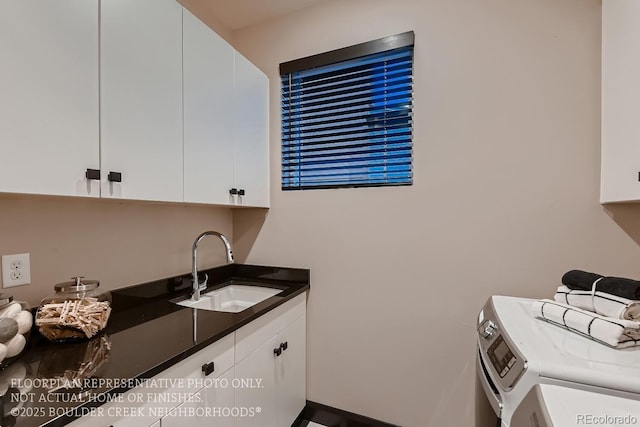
349, 123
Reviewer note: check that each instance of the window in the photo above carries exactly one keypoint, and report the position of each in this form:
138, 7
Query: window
347, 116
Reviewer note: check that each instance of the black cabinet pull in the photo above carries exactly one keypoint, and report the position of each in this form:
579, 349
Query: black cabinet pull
92, 174
277, 351
114, 177
207, 368
233, 191
241, 192
284, 345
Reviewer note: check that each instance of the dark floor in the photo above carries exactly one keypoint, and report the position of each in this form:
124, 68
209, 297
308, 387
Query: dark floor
318, 415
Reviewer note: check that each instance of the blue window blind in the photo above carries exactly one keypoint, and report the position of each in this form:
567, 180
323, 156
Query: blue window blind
349, 123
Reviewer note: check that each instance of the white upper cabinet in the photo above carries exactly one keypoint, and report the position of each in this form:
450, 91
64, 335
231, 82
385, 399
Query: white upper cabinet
226, 128
141, 99
620, 173
49, 96
128, 100
251, 91
208, 114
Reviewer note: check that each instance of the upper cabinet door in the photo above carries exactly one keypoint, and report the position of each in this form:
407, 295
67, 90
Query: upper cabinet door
208, 114
620, 174
49, 92
141, 99
251, 133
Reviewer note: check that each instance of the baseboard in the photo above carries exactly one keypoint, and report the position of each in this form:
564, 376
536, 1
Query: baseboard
334, 417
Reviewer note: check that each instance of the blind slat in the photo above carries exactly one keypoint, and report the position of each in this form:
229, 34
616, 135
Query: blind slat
399, 72
292, 154
366, 94
390, 100
387, 134
339, 131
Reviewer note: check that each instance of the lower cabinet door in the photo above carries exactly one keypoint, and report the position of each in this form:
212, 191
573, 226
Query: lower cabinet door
102, 422
213, 405
291, 372
258, 369
133, 409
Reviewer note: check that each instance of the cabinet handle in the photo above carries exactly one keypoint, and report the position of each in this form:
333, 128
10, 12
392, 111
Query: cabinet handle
241, 192
284, 345
207, 368
115, 177
277, 351
233, 191
92, 174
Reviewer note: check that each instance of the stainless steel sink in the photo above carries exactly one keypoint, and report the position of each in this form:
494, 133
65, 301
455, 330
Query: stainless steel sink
232, 298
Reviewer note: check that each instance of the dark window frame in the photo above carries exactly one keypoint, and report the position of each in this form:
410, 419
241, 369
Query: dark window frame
368, 49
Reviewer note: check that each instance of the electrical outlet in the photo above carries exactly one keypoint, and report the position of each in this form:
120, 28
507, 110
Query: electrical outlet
16, 270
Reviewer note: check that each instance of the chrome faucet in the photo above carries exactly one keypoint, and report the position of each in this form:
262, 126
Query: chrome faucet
197, 287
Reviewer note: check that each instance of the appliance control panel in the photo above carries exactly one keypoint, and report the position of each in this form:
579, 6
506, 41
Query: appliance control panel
506, 363
501, 356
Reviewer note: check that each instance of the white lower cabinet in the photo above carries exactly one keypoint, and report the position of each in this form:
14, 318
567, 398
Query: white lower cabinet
258, 379
122, 413
260, 366
291, 373
275, 349
145, 406
212, 405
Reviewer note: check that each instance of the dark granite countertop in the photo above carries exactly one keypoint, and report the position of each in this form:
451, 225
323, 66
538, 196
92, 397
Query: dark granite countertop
146, 334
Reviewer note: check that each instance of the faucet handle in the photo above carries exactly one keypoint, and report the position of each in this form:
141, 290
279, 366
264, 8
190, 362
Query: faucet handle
202, 286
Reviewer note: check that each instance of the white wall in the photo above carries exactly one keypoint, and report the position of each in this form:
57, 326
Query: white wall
505, 199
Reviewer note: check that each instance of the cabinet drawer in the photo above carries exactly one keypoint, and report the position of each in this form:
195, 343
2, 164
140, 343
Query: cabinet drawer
256, 333
190, 369
133, 409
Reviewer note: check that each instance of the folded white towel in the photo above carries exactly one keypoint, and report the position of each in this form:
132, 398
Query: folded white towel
618, 333
599, 302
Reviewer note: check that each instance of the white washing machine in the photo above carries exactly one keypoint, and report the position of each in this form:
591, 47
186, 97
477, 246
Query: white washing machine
534, 374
